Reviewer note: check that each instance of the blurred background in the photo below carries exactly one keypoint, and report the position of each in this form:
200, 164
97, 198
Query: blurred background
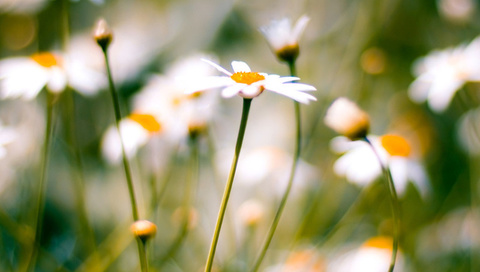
366, 50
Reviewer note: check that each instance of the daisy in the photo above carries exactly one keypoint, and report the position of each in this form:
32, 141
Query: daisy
442, 73
162, 109
250, 84
283, 38
360, 165
25, 77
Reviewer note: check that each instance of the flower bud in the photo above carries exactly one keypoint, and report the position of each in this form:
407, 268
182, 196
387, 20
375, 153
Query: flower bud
103, 34
346, 118
143, 229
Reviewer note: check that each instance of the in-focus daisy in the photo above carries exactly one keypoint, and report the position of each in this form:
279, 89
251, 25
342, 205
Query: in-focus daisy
346, 118
360, 165
250, 84
442, 73
283, 38
25, 77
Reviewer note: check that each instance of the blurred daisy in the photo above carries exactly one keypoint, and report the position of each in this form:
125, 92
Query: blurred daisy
442, 73
250, 84
346, 118
457, 11
283, 38
306, 260
46, 69
163, 109
372, 256
360, 165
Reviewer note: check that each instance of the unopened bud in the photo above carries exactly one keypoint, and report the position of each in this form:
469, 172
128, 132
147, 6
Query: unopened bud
103, 34
143, 229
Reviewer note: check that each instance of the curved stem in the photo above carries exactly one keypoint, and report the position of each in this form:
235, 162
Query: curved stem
228, 187
40, 205
283, 201
394, 205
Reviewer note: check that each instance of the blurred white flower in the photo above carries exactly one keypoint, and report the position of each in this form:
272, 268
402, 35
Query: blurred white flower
162, 108
346, 118
250, 84
25, 77
458, 11
21, 6
373, 256
7, 135
251, 212
283, 38
442, 73
360, 165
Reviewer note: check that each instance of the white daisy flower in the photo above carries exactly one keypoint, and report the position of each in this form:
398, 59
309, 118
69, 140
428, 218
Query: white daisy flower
250, 84
360, 165
25, 77
283, 38
442, 73
162, 108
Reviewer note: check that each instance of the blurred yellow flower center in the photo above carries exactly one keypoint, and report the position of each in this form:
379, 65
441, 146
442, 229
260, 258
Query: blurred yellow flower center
147, 121
381, 242
247, 77
45, 59
396, 145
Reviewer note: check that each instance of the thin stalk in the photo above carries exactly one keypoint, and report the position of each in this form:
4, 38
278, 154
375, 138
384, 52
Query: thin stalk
395, 206
77, 168
283, 201
192, 175
118, 117
126, 165
228, 187
40, 205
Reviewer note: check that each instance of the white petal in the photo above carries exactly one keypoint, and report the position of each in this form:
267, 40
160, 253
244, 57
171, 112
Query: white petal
232, 90
193, 85
291, 93
240, 66
399, 170
299, 28
250, 91
218, 67
58, 80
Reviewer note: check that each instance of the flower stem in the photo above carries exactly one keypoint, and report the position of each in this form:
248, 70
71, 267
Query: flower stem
395, 205
228, 187
192, 175
40, 205
126, 165
118, 117
283, 201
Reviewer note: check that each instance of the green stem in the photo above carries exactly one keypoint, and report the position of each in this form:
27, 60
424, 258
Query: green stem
395, 205
42, 185
286, 194
192, 175
118, 117
228, 187
126, 165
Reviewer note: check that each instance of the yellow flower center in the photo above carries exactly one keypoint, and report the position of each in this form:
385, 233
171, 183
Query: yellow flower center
247, 77
382, 242
45, 59
396, 145
147, 121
